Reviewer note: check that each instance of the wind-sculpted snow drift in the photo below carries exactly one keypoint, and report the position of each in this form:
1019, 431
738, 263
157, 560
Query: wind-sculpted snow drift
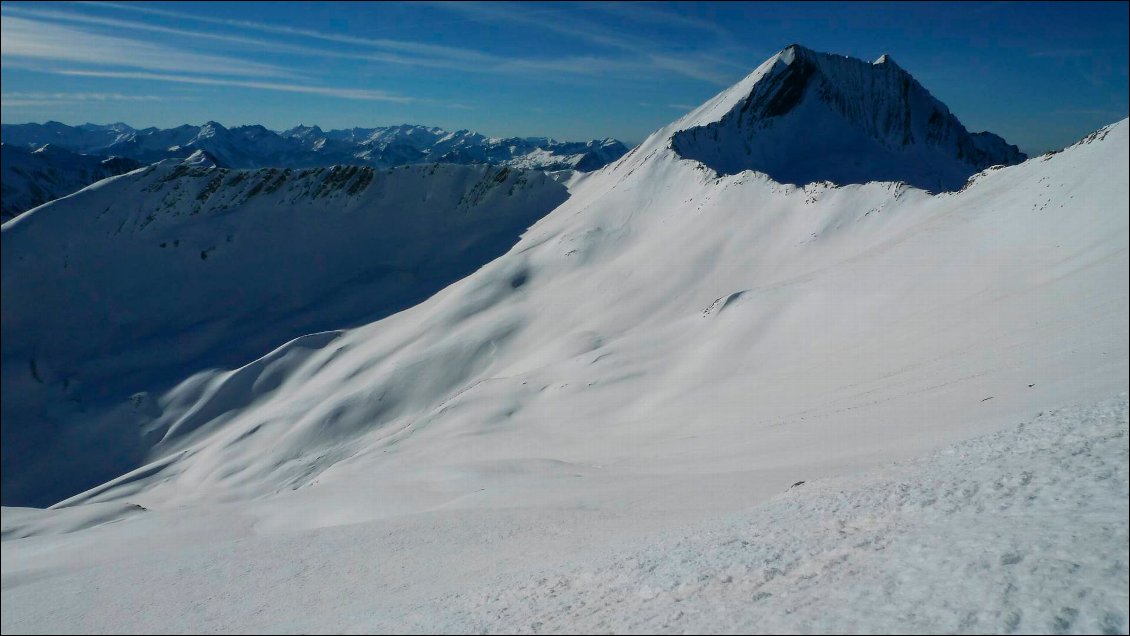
678, 338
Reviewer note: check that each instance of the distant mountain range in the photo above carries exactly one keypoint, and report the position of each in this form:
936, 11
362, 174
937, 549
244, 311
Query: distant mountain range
81, 155
34, 177
312, 147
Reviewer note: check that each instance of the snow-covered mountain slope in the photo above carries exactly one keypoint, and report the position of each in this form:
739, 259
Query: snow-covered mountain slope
669, 343
308, 146
139, 281
34, 177
805, 117
721, 321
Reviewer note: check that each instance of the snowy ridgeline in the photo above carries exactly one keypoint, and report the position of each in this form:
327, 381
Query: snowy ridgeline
142, 280
1022, 531
43, 162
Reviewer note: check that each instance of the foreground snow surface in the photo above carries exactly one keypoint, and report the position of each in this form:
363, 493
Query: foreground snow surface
1024, 530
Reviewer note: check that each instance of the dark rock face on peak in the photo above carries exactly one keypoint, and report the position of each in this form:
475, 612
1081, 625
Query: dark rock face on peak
817, 117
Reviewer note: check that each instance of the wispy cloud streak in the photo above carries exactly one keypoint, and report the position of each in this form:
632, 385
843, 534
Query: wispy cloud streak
45, 46
692, 64
21, 38
636, 56
329, 91
29, 99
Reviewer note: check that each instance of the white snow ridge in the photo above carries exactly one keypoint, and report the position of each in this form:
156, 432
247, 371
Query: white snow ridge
812, 358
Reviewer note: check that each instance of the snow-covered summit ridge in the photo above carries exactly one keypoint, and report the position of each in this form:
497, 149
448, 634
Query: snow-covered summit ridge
804, 116
201, 159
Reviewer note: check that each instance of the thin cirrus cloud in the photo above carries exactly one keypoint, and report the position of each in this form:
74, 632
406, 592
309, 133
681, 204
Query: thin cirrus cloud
42, 41
379, 50
239, 41
692, 64
96, 43
342, 93
427, 54
643, 58
81, 18
26, 99
50, 47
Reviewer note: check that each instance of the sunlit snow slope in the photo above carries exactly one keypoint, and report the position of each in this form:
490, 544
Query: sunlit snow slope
670, 342
665, 319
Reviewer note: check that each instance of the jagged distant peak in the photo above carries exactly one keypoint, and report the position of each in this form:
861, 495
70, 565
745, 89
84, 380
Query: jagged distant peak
887, 60
303, 130
210, 129
804, 116
201, 159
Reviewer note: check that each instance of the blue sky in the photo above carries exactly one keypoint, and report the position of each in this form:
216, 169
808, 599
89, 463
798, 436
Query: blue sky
1041, 75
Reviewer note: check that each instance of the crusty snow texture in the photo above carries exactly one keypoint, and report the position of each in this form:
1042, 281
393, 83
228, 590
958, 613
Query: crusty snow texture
1022, 531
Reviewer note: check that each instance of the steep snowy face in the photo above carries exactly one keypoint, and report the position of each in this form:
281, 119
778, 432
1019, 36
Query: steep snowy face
805, 117
141, 280
32, 178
